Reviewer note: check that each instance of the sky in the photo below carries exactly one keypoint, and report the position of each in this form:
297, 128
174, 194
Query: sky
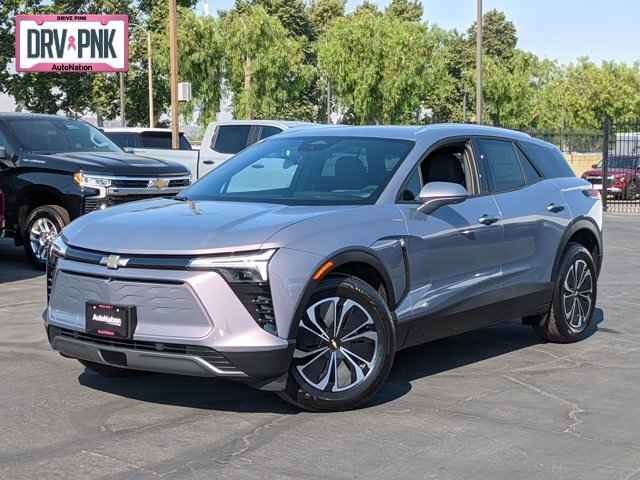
562, 30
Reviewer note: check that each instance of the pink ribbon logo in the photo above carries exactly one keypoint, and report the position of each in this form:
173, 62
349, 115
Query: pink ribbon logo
72, 43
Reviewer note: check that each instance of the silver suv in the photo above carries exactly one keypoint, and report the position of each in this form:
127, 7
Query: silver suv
303, 264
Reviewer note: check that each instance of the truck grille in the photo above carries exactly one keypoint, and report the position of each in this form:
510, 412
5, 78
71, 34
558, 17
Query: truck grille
92, 204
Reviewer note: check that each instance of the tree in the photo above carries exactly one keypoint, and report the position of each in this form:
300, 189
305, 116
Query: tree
409, 10
367, 7
264, 65
499, 36
323, 13
382, 69
292, 14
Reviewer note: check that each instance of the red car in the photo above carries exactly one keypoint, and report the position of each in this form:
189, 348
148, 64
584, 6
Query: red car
624, 177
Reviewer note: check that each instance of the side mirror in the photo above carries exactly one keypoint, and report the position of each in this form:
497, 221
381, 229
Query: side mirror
438, 194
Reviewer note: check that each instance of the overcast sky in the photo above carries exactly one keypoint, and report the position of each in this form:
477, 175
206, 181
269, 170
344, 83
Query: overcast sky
558, 29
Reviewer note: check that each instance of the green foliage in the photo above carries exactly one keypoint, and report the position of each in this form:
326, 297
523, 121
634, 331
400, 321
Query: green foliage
409, 10
263, 64
323, 13
499, 36
383, 69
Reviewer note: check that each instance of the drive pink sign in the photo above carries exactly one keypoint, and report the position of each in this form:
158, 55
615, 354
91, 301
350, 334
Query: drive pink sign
72, 43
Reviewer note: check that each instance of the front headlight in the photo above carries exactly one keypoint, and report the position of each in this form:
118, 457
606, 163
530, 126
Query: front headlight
248, 267
91, 181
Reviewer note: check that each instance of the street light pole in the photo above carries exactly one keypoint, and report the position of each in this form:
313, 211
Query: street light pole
150, 77
479, 107
173, 60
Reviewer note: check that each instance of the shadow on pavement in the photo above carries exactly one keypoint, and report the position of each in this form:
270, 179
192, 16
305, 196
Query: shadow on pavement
14, 265
412, 364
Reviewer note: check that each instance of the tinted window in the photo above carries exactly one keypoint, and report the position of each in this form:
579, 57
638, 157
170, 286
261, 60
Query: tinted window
124, 140
267, 132
306, 170
231, 138
59, 135
504, 168
531, 173
162, 141
412, 188
548, 160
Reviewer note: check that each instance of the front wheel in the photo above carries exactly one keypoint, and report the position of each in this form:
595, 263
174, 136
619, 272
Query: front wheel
42, 226
344, 347
574, 298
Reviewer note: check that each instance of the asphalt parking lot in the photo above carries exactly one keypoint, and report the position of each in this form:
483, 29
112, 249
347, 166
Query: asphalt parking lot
492, 404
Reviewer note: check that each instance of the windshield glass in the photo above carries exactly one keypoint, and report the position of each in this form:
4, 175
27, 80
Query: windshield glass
305, 171
52, 135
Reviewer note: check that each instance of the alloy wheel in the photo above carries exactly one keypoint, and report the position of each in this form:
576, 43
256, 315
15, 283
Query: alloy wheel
337, 345
577, 295
43, 231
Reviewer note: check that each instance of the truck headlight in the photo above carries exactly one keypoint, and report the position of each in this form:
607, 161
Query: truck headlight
248, 267
91, 181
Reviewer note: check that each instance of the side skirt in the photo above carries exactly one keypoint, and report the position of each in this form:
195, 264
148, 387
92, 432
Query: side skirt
441, 325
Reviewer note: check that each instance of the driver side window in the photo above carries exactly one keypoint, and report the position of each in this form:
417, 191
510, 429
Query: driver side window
446, 164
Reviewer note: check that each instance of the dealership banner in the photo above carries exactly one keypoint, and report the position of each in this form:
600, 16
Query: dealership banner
72, 43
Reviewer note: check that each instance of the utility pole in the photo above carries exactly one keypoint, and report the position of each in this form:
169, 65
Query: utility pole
328, 102
150, 76
123, 117
479, 107
173, 60
464, 107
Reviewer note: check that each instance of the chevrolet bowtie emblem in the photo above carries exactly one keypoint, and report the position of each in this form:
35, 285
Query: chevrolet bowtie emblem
114, 262
158, 183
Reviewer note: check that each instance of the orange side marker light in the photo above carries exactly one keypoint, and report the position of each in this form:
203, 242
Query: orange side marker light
323, 270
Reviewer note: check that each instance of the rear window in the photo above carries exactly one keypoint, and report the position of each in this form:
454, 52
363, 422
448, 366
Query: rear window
267, 132
548, 160
162, 141
123, 139
231, 139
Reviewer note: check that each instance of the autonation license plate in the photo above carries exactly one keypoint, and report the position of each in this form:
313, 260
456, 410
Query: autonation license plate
110, 320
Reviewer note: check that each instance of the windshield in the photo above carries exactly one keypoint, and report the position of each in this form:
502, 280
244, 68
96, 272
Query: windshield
52, 135
305, 171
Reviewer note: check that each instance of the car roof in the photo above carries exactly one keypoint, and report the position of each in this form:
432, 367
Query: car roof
413, 133
136, 130
285, 124
23, 115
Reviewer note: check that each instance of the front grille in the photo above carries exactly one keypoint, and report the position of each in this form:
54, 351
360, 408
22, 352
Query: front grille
185, 182
207, 354
119, 200
91, 204
144, 182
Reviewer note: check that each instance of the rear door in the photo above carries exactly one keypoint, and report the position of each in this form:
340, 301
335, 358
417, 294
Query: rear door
534, 218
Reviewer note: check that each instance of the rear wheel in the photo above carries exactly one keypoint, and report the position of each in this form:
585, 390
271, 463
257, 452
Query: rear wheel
42, 226
344, 347
108, 370
574, 298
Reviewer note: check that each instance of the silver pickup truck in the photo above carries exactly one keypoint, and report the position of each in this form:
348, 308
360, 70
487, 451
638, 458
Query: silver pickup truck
221, 141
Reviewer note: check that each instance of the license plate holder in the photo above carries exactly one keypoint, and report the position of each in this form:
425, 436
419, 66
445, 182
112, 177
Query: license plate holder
111, 321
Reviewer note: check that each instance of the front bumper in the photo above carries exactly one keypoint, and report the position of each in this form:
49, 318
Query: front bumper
188, 323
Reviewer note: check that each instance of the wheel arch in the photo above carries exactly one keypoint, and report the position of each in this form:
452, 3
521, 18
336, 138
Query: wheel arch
32, 197
585, 231
358, 262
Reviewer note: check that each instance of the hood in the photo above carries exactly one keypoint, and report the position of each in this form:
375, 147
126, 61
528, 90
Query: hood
167, 226
112, 163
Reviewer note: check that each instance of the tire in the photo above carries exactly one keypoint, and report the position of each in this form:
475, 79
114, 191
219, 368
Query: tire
365, 326
43, 224
109, 371
571, 313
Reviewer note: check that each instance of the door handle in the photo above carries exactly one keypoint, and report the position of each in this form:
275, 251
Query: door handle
554, 208
208, 162
487, 220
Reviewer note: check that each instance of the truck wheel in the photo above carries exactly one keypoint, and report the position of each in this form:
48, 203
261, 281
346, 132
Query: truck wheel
574, 298
41, 228
344, 349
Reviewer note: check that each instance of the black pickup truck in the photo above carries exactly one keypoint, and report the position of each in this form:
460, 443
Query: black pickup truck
53, 170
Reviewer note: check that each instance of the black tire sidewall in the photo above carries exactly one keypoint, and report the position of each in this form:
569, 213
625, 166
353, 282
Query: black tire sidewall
303, 395
574, 252
57, 215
